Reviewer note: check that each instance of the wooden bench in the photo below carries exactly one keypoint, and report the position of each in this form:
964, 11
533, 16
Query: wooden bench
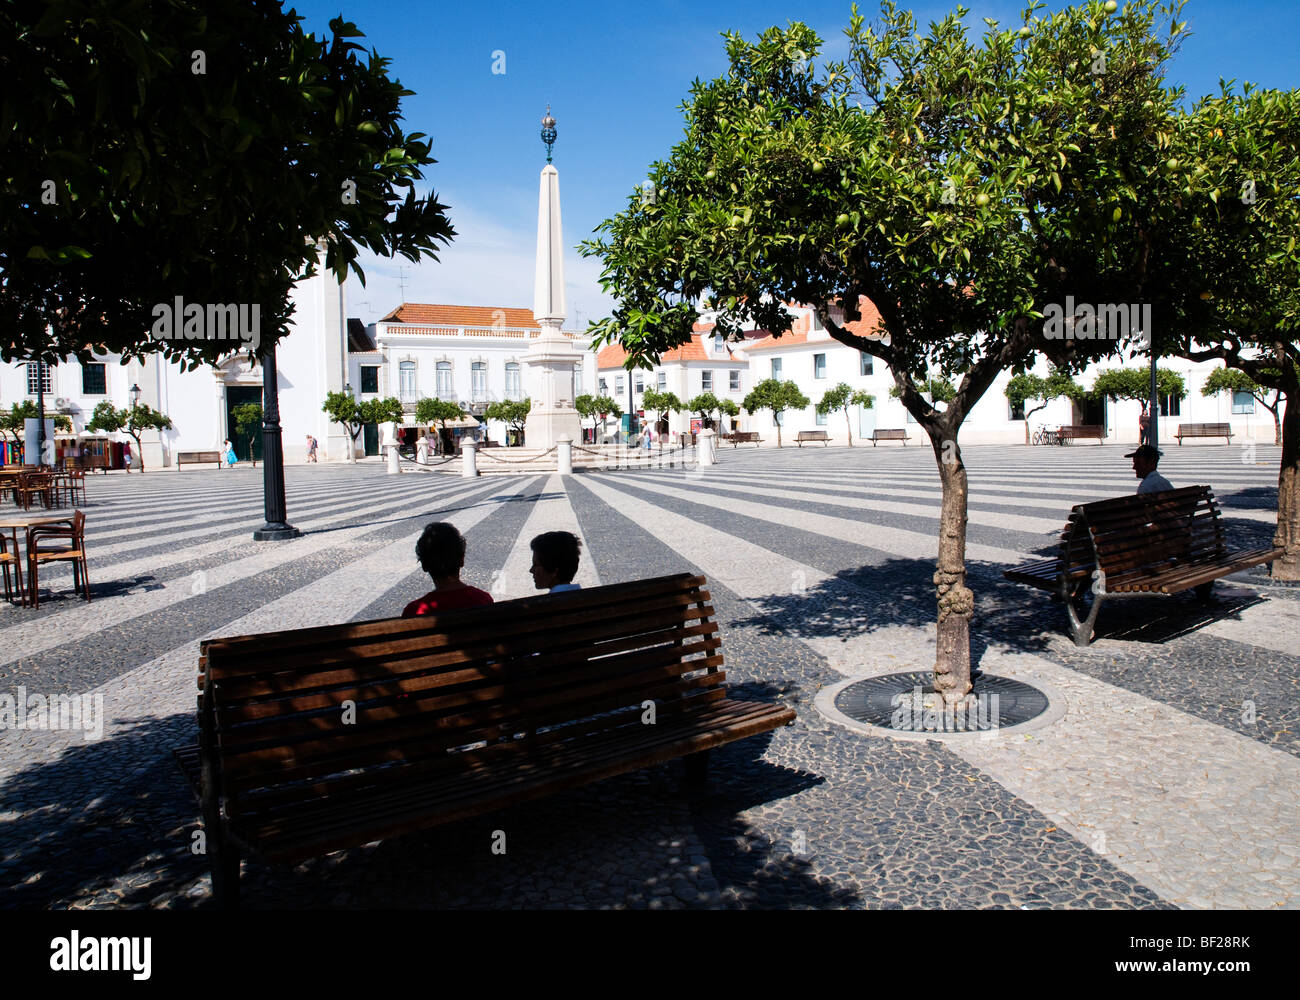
455, 715
1152, 543
1203, 431
803, 436
1071, 431
197, 456
742, 437
889, 434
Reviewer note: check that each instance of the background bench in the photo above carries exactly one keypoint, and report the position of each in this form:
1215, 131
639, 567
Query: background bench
889, 434
1071, 431
803, 436
742, 437
1204, 431
193, 457
1152, 543
455, 715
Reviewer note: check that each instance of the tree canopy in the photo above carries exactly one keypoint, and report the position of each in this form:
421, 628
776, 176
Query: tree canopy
156, 151
841, 398
140, 417
777, 396
1135, 384
962, 186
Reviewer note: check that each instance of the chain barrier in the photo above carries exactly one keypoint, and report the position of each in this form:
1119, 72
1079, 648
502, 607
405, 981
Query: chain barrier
519, 461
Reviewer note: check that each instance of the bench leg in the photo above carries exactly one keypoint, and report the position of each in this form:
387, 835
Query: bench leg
225, 876
697, 768
1081, 628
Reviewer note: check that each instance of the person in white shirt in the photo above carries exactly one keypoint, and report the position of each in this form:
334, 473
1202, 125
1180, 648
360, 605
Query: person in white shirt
555, 561
1145, 459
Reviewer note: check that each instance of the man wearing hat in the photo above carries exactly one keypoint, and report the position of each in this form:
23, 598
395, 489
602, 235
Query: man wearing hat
1145, 459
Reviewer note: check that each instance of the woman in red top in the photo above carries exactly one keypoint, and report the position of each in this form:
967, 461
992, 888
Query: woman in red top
441, 551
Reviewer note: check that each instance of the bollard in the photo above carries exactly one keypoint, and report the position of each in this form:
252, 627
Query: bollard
707, 456
470, 452
394, 462
564, 455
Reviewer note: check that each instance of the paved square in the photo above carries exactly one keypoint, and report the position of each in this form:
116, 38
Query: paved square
1168, 777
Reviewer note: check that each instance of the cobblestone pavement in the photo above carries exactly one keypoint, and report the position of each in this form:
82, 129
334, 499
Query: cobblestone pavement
1166, 777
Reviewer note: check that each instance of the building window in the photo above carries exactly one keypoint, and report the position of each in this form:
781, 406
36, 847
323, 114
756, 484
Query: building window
1017, 411
577, 382
46, 377
406, 381
866, 364
370, 378
1170, 406
821, 419
639, 382
446, 389
706, 381
776, 367
814, 323
604, 388
94, 380
512, 380
733, 380
819, 366
1243, 402
719, 344
478, 381
661, 380
618, 386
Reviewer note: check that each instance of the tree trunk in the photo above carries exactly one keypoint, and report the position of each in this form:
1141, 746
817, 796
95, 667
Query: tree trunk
140, 449
1277, 423
956, 601
776, 420
1287, 567
848, 425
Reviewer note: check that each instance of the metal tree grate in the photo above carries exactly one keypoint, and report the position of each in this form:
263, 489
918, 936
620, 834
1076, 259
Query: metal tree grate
907, 703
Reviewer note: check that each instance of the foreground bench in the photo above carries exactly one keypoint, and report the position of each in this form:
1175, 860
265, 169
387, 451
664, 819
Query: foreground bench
319, 739
803, 436
742, 437
1204, 431
889, 434
1069, 432
1153, 543
192, 457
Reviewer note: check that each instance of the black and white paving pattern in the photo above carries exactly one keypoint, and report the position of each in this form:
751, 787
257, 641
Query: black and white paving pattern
1166, 777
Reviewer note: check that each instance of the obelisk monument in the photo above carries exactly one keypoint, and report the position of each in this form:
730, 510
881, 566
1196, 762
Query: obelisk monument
551, 357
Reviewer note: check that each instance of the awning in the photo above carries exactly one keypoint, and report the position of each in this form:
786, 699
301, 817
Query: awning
464, 423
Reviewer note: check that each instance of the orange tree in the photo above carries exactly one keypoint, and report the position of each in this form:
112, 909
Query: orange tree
1236, 176
961, 185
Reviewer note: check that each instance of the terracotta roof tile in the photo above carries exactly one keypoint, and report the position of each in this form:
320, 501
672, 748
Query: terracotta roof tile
863, 327
613, 355
444, 315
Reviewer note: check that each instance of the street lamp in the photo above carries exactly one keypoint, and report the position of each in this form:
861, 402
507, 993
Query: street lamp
347, 387
135, 395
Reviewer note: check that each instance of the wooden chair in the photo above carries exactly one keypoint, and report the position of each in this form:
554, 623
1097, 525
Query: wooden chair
74, 552
34, 484
7, 558
71, 486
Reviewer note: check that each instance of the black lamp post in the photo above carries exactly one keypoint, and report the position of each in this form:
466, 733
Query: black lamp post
135, 394
276, 527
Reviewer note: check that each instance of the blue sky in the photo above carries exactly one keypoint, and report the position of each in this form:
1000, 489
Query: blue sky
615, 75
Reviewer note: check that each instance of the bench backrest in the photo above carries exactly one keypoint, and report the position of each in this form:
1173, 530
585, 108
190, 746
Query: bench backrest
888, 432
1082, 430
1145, 530
1209, 430
272, 705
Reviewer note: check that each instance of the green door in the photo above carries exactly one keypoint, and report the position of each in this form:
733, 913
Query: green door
370, 438
238, 395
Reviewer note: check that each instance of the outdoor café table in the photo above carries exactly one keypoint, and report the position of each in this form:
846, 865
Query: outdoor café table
12, 524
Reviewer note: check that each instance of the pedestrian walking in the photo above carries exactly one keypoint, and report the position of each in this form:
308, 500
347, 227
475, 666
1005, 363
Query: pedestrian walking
228, 453
311, 448
1144, 427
